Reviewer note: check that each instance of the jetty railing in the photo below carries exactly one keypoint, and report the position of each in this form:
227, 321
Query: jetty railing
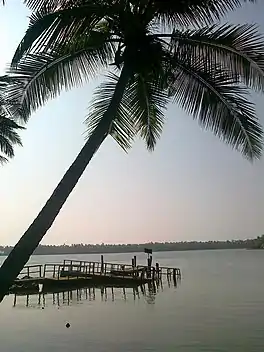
31, 270
80, 268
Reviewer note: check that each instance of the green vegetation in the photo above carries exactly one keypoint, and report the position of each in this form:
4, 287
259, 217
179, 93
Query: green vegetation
155, 52
155, 246
258, 243
8, 127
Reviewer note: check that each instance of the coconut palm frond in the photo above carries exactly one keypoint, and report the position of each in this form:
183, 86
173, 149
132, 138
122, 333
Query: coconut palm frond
8, 138
122, 129
239, 48
39, 77
8, 129
36, 5
3, 159
214, 97
49, 29
193, 12
148, 101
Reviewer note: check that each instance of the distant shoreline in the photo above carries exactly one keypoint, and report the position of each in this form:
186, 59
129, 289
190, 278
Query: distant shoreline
124, 252
257, 243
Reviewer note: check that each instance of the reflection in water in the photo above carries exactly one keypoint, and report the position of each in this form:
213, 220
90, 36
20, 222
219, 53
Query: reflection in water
148, 292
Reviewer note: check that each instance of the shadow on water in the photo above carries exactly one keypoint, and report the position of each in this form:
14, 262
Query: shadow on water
148, 292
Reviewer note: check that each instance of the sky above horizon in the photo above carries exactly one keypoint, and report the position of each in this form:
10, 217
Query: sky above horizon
193, 187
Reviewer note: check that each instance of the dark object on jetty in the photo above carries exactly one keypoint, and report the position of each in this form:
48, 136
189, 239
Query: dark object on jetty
73, 274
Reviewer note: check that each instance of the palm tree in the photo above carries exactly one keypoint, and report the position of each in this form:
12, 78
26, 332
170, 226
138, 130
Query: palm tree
8, 127
155, 52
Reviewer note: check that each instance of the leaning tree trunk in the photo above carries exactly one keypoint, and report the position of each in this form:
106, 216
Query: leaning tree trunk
21, 253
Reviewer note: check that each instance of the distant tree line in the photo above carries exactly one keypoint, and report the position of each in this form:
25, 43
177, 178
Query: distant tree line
257, 243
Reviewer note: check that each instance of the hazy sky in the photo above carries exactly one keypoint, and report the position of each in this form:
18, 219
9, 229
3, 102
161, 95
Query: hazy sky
193, 187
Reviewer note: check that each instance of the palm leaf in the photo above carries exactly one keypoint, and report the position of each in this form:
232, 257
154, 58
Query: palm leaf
36, 5
148, 101
8, 127
213, 96
8, 138
239, 48
49, 28
3, 159
39, 77
141, 110
122, 128
193, 12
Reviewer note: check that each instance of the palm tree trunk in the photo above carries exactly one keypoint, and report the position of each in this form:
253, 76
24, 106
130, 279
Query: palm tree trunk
21, 253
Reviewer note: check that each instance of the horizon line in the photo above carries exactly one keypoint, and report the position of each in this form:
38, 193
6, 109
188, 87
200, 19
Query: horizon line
137, 244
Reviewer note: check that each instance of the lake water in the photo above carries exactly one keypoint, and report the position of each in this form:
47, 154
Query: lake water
219, 306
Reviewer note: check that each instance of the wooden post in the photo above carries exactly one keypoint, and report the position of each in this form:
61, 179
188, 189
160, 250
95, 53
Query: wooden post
135, 261
124, 293
168, 276
123, 269
15, 299
102, 264
174, 276
153, 273
93, 267
158, 271
28, 271
133, 267
40, 267
102, 294
149, 261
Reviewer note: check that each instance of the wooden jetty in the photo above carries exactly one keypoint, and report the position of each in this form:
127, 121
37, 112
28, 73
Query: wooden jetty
73, 274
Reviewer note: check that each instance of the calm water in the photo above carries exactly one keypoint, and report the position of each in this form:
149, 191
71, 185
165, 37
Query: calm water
219, 306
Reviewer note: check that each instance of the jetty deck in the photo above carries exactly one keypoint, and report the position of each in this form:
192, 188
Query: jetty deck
73, 274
